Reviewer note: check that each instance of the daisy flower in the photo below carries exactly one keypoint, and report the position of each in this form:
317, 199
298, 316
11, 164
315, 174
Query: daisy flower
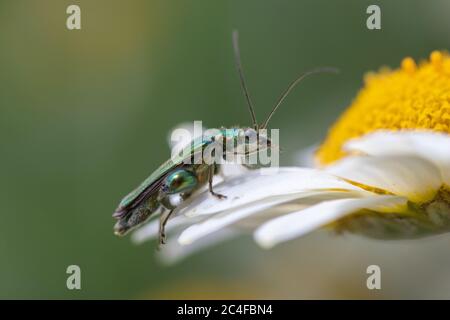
383, 171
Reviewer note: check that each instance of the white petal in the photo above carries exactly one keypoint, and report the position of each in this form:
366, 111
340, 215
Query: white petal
306, 157
260, 184
173, 252
228, 170
232, 216
150, 230
432, 146
404, 175
301, 222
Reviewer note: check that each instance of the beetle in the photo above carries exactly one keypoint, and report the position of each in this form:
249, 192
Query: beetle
178, 177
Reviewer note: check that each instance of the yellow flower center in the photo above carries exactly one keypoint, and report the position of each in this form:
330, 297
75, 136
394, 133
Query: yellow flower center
412, 97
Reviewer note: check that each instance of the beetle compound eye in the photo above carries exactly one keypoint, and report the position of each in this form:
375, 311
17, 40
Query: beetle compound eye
180, 181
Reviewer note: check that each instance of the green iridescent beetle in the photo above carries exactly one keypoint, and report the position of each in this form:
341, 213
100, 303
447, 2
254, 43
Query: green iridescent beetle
179, 177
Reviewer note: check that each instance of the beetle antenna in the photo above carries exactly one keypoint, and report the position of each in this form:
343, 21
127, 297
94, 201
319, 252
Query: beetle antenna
292, 85
237, 58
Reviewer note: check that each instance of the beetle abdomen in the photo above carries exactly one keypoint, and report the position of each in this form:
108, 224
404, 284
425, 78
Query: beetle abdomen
131, 218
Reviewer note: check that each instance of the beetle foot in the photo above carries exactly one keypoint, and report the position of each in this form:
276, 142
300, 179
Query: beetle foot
218, 195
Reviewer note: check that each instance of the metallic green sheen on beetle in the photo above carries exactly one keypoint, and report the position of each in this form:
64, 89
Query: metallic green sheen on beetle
174, 177
178, 177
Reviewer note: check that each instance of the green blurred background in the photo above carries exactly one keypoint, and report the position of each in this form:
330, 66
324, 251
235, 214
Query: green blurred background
85, 115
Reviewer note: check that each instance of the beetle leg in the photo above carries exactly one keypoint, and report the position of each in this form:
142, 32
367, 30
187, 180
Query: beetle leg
212, 168
163, 218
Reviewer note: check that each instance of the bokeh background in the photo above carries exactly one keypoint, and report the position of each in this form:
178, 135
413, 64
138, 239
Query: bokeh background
84, 117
